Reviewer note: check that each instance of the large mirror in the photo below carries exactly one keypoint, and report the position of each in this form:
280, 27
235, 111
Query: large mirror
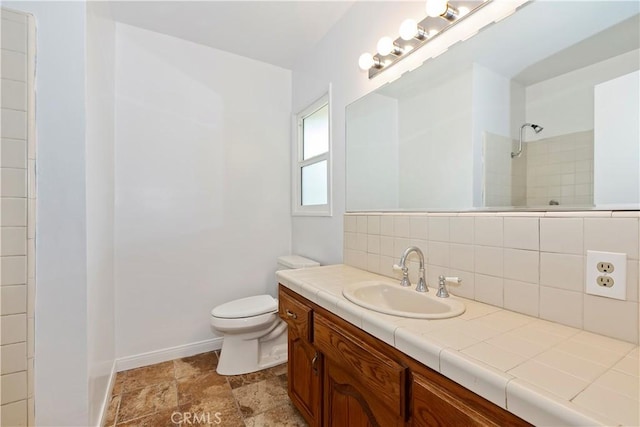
540, 111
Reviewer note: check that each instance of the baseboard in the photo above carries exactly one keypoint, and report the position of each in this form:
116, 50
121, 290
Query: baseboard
166, 354
107, 398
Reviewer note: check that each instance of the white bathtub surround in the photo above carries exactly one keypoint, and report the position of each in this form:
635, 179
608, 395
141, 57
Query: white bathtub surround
529, 262
544, 372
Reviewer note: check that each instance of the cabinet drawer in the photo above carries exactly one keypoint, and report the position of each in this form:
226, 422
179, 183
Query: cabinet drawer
296, 314
375, 371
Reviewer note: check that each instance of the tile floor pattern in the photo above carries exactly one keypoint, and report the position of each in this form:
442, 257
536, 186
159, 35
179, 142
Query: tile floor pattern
152, 395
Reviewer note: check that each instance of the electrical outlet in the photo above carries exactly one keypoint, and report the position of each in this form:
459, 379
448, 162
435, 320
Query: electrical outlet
605, 267
606, 281
606, 274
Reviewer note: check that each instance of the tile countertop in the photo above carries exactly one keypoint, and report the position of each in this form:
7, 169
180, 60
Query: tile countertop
546, 373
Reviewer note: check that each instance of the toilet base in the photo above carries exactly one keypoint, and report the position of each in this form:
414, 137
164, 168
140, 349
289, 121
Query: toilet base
242, 354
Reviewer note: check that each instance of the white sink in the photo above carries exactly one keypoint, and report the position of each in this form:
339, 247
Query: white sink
393, 299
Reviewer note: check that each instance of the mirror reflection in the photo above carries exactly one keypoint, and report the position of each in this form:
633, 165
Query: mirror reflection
540, 110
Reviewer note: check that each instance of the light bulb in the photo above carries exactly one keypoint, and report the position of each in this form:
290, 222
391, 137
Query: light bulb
408, 29
436, 8
385, 46
365, 61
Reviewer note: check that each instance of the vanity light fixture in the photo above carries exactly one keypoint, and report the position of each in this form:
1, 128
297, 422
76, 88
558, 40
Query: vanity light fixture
414, 34
442, 9
386, 46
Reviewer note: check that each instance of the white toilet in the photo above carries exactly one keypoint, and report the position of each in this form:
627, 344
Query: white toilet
255, 337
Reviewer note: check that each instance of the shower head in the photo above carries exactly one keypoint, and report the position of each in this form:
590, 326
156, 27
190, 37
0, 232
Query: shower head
536, 129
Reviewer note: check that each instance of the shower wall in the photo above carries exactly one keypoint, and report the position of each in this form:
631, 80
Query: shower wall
560, 169
17, 235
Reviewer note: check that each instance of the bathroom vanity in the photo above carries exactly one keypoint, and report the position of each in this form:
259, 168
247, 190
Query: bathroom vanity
340, 375
351, 366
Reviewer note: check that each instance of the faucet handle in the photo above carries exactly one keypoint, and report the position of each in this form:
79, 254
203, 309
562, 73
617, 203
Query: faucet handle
405, 274
442, 285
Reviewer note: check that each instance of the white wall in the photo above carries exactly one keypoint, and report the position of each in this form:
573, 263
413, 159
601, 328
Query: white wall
616, 141
202, 185
433, 136
100, 205
334, 59
373, 128
549, 102
61, 269
491, 112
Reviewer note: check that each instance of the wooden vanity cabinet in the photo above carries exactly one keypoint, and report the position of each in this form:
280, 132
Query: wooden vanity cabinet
341, 376
304, 370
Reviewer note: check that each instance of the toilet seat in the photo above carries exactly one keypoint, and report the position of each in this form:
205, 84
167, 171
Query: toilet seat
245, 323
246, 307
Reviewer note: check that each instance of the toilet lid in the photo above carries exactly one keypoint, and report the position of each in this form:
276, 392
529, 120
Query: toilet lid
246, 307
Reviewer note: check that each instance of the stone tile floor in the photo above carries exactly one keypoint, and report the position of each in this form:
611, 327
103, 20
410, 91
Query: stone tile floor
189, 392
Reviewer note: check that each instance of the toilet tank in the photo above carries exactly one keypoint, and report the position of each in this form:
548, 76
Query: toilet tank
290, 262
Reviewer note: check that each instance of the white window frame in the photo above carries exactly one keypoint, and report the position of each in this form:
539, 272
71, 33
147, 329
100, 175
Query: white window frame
298, 163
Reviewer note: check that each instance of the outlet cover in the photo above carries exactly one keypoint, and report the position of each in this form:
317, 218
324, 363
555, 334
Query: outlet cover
619, 275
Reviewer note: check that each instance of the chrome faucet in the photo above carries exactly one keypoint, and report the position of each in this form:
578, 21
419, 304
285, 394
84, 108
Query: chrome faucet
422, 285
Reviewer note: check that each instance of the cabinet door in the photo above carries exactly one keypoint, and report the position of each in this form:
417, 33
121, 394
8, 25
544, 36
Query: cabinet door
362, 385
304, 378
434, 403
347, 402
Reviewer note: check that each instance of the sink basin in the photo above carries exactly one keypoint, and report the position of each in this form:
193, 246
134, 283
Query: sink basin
393, 299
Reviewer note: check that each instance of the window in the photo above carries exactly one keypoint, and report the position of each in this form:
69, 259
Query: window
312, 174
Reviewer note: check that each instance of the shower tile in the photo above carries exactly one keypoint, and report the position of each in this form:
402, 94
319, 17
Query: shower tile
14, 358
14, 270
14, 65
14, 153
14, 299
14, 329
14, 182
14, 212
14, 241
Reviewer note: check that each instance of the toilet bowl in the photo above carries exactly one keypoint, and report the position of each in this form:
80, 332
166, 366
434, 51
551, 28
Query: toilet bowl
255, 337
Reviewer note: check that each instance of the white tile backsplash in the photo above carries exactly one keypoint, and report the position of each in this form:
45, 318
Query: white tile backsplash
489, 260
562, 235
521, 233
401, 226
531, 263
521, 265
559, 305
562, 271
612, 235
489, 231
438, 229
